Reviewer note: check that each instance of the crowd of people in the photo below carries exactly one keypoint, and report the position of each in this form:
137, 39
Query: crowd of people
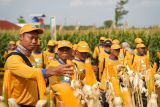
65, 68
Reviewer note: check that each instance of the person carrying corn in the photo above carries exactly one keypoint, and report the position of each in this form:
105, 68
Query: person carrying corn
23, 80
103, 55
81, 54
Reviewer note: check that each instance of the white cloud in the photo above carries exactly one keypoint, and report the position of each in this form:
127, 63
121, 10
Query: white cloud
78, 3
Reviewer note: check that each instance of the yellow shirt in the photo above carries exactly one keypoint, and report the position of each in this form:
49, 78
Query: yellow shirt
110, 71
101, 64
48, 56
24, 86
125, 57
97, 51
6, 53
57, 79
80, 66
38, 59
140, 63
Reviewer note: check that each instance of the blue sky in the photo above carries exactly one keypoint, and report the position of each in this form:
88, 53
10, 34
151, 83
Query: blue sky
85, 12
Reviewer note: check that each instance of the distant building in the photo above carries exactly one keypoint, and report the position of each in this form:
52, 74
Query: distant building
6, 25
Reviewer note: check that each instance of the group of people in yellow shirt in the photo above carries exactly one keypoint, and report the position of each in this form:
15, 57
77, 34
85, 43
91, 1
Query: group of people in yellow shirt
55, 64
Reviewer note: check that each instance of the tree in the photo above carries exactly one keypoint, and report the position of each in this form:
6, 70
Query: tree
108, 23
120, 11
21, 20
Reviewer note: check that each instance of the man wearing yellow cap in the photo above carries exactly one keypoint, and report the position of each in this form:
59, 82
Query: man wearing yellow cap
64, 54
38, 56
140, 60
98, 48
103, 55
49, 54
81, 54
26, 81
11, 47
111, 65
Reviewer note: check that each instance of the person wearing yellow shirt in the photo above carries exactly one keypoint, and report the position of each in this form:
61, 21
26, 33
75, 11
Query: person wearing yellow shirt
64, 53
49, 54
140, 60
38, 56
103, 55
11, 47
98, 48
81, 54
26, 82
139, 41
111, 65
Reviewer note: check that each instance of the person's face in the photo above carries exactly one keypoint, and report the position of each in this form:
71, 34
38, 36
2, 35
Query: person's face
82, 55
37, 47
12, 47
141, 51
65, 53
101, 41
107, 48
115, 52
51, 48
29, 40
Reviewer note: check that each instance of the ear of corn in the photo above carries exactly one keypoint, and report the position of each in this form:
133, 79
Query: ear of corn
65, 95
41, 85
90, 77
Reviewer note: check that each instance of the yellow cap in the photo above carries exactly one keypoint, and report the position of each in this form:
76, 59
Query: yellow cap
83, 47
75, 46
138, 40
29, 28
102, 38
51, 43
64, 43
140, 45
17, 43
12, 42
115, 46
116, 41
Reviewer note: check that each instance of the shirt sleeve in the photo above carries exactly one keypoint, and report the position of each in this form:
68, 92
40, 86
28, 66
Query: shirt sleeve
17, 66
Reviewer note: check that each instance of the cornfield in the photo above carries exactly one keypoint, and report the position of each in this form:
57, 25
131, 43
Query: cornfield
151, 38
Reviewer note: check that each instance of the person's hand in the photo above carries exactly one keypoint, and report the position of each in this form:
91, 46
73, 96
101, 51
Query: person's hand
59, 70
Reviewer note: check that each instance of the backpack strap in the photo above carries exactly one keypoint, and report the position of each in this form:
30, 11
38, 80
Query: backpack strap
22, 56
